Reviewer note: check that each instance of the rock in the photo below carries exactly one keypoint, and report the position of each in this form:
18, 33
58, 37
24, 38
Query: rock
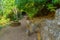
57, 12
50, 30
15, 24
57, 16
58, 23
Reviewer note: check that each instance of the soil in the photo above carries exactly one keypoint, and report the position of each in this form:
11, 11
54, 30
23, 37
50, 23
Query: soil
16, 33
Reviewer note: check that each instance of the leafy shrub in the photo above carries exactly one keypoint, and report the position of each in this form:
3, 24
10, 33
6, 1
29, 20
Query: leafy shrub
5, 9
56, 1
31, 7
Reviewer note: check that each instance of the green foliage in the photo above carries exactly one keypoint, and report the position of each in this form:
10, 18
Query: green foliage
56, 1
5, 9
7, 6
51, 7
14, 16
4, 21
31, 7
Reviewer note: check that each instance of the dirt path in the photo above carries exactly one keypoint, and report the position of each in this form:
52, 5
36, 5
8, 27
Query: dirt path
16, 33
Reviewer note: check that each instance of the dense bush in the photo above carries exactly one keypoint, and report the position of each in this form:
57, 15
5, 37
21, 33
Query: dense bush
5, 8
31, 7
